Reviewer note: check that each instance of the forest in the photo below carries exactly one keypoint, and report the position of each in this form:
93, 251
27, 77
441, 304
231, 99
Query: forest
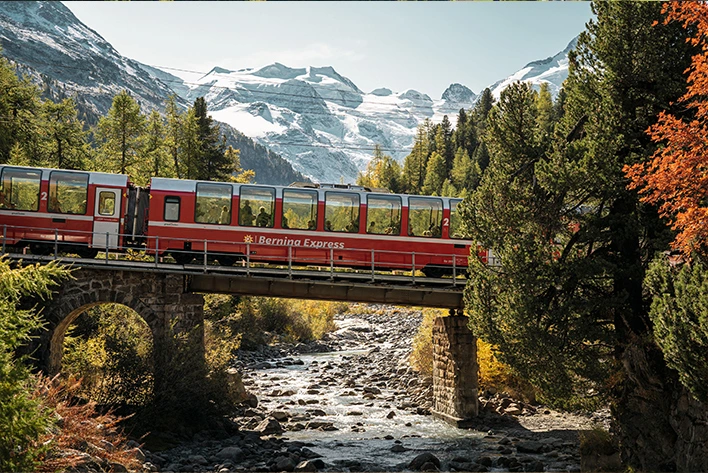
594, 203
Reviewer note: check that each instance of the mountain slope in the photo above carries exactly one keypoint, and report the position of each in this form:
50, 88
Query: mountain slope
55, 50
552, 70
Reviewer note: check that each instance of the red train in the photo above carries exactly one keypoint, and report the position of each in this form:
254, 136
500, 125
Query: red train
50, 210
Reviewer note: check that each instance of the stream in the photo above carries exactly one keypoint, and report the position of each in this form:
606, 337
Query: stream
351, 402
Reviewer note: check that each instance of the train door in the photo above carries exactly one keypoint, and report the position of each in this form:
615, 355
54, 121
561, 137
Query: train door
106, 218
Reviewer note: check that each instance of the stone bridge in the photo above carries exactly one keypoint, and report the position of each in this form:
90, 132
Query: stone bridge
175, 316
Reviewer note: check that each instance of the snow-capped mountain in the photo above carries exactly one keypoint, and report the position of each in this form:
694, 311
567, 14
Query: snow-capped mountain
45, 37
552, 70
317, 119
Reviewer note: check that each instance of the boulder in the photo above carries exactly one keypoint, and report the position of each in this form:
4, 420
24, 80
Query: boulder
422, 459
269, 427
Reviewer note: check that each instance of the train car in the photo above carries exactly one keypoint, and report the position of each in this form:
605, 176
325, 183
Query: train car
322, 225
55, 210
52, 210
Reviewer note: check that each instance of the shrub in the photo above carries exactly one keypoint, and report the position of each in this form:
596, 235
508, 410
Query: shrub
82, 429
23, 417
422, 355
264, 320
110, 348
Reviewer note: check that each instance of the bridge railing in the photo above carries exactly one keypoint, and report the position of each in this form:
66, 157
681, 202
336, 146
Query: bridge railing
368, 261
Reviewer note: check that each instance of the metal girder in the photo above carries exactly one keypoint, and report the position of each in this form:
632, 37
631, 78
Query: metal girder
327, 290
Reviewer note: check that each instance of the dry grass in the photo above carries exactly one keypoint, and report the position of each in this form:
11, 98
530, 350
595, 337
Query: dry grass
82, 434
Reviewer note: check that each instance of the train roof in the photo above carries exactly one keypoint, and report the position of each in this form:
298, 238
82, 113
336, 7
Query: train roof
189, 185
99, 178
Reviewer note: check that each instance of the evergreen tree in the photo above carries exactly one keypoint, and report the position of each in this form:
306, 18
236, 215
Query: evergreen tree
443, 142
189, 146
212, 163
415, 163
157, 160
574, 243
239, 174
465, 174
545, 117
120, 135
174, 135
435, 174
65, 143
19, 111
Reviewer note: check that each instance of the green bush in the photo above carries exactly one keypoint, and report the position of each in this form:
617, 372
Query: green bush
679, 311
265, 320
110, 348
23, 419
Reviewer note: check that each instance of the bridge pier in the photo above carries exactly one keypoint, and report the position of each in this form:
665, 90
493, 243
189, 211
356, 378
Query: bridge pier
175, 319
454, 371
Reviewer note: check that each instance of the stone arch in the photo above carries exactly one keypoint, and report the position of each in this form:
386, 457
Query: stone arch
159, 299
66, 315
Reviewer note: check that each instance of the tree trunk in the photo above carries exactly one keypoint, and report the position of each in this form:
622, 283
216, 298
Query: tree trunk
660, 426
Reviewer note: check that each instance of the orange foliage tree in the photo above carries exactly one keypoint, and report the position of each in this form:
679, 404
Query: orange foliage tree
676, 177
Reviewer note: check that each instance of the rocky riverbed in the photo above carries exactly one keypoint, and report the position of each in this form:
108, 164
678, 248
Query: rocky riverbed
351, 402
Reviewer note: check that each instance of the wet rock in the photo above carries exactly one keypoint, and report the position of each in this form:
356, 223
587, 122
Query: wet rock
284, 463
398, 448
230, 453
485, 461
280, 416
306, 465
534, 465
427, 457
530, 446
269, 427
197, 460
390, 415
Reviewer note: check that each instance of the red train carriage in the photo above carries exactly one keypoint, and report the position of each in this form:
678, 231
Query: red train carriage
58, 210
50, 210
308, 225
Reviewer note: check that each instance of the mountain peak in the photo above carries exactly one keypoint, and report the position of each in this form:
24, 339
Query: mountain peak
219, 70
458, 93
279, 71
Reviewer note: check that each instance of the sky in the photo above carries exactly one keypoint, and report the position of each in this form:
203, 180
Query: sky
424, 46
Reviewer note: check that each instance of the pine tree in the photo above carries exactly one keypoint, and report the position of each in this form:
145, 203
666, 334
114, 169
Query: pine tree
435, 174
443, 142
19, 111
239, 174
174, 135
213, 163
574, 243
157, 161
416, 162
65, 143
120, 135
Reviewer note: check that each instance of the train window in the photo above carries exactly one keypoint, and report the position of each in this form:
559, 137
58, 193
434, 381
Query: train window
213, 203
425, 217
455, 230
172, 204
107, 204
299, 209
341, 212
19, 189
383, 215
257, 206
68, 192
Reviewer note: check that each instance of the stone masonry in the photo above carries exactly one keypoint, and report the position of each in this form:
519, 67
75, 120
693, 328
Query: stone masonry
175, 317
454, 371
